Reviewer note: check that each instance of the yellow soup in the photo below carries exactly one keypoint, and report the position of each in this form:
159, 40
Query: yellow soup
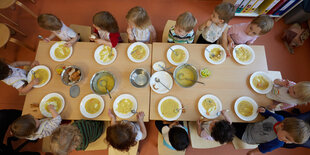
139, 52
41, 74
168, 108
124, 106
62, 52
105, 82
260, 82
92, 105
184, 77
243, 54
106, 54
209, 105
179, 56
56, 101
216, 54
245, 108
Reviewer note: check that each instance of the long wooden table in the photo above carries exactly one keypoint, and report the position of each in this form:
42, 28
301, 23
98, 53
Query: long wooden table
228, 81
83, 57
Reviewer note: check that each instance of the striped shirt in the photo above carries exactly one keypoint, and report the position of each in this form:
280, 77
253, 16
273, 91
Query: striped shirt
174, 38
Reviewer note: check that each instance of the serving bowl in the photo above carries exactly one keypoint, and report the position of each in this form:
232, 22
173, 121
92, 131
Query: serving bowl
139, 77
101, 81
185, 75
69, 78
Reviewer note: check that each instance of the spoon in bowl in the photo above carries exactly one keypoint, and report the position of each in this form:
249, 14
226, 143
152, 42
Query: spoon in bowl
103, 83
180, 77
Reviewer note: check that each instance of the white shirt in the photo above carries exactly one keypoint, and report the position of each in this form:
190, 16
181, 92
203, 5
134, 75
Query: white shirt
136, 129
213, 32
281, 94
142, 35
65, 33
104, 35
17, 79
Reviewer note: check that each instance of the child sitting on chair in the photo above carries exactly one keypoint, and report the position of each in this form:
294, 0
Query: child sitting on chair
183, 31
217, 130
16, 77
52, 23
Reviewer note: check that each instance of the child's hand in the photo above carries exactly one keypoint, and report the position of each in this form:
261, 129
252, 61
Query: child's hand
93, 37
140, 116
34, 63
228, 53
110, 113
261, 110
68, 44
47, 40
198, 122
99, 41
51, 107
285, 82
223, 112
35, 81
232, 44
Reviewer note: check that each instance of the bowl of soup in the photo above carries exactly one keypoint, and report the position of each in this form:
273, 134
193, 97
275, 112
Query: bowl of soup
177, 55
59, 52
41, 72
243, 54
261, 82
169, 108
125, 106
54, 99
246, 108
101, 82
185, 75
138, 52
215, 54
209, 105
92, 105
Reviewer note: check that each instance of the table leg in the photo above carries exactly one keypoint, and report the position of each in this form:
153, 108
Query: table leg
15, 29
26, 9
3, 16
17, 42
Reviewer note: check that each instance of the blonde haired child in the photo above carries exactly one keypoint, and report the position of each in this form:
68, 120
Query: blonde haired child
247, 33
75, 136
106, 30
183, 31
140, 27
123, 135
288, 94
31, 128
17, 77
216, 27
52, 23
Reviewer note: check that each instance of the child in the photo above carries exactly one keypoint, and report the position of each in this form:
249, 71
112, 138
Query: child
218, 130
183, 31
272, 132
217, 27
75, 136
30, 128
287, 94
16, 77
140, 27
124, 134
247, 33
52, 23
106, 29
175, 135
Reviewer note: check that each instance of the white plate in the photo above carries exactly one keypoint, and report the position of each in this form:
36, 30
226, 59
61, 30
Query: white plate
164, 78
156, 66
203, 111
255, 107
209, 48
265, 75
169, 52
45, 98
53, 48
248, 48
97, 55
83, 102
130, 49
118, 99
29, 76
160, 103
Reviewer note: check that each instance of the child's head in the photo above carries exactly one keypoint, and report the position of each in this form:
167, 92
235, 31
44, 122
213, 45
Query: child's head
24, 126
222, 131
260, 25
49, 22
105, 21
300, 91
178, 138
65, 139
293, 130
138, 17
4, 70
223, 13
185, 23
121, 136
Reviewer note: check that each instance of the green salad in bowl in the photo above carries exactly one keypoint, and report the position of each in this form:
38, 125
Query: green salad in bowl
205, 72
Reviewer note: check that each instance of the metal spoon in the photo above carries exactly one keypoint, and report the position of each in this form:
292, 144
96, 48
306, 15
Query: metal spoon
33, 73
133, 111
40, 37
177, 110
158, 80
165, 69
110, 53
180, 77
212, 54
175, 53
105, 86
133, 51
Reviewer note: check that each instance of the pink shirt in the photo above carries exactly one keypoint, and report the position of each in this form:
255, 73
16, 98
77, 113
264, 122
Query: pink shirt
238, 35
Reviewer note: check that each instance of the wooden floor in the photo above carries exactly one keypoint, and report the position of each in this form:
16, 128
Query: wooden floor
294, 67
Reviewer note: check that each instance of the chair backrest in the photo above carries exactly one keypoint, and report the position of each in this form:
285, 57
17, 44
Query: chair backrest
239, 144
84, 31
124, 37
197, 34
168, 25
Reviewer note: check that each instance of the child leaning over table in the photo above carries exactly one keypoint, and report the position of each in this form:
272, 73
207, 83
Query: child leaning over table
125, 134
140, 27
216, 27
28, 127
247, 33
17, 77
287, 94
272, 132
183, 31
52, 23
106, 30
216, 130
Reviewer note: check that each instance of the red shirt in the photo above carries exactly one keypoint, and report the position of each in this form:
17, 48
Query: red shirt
115, 38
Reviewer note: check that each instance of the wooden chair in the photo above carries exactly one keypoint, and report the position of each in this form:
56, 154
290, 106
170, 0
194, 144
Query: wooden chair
124, 37
168, 25
198, 142
197, 35
7, 18
84, 31
132, 151
239, 144
10, 3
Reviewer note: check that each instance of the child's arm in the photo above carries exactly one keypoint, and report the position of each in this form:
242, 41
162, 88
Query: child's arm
28, 87
51, 37
231, 43
173, 124
104, 42
264, 112
72, 41
224, 113
283, 82
24, 63
112, 116
153, 34
205, 24
199, 127
131, 37
51, 108
224, 42
140, 117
